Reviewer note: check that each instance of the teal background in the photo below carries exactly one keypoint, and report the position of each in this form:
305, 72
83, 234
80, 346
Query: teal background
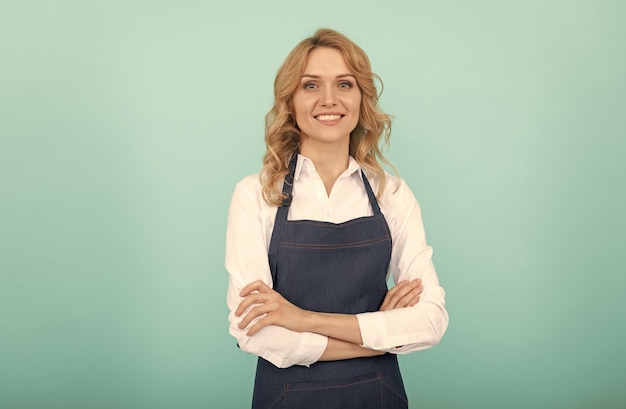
124, 127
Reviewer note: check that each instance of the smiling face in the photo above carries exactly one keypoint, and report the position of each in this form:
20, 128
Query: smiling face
327, 101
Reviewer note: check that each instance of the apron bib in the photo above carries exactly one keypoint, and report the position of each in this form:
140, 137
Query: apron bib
335, 268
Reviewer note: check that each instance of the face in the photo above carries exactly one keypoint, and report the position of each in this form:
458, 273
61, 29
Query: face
327, 101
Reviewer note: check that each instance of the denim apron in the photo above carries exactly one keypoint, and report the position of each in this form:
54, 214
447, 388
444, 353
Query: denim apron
336, 268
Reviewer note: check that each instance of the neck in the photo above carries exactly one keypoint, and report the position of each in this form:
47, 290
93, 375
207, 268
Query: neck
330, 161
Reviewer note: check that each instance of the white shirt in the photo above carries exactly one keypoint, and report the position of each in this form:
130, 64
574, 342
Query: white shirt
249, 230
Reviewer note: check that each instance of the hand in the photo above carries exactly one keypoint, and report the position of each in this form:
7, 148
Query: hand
270, 303
403, 294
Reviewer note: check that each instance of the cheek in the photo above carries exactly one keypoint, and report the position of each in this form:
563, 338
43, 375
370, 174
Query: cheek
297, 109
356, 106
300, 105
300, 113
356, 101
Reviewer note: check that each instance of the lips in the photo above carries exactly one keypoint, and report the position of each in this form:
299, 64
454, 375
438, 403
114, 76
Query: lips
331, 117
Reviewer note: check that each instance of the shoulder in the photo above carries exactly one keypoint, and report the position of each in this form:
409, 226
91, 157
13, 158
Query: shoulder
248, 188
250, 182
395, 187
396, 196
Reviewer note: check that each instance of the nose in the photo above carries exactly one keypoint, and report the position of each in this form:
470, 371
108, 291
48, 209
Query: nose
328, 97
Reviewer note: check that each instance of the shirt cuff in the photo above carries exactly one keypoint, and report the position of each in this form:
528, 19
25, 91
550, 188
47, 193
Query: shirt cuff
284, 352
310, 349
373, 329
376, 334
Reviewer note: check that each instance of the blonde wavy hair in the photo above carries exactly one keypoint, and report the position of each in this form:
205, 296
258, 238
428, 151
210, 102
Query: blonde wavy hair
282, 135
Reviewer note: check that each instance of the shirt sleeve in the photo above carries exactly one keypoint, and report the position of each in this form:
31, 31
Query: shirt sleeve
422, 326
246, 261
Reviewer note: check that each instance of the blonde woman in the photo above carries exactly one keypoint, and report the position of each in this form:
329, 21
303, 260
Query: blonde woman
312, 238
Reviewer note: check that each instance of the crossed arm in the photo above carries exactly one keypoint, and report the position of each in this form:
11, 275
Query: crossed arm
343, 332
401, 326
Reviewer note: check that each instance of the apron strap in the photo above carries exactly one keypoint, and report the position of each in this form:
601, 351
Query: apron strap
281, 215
371, 195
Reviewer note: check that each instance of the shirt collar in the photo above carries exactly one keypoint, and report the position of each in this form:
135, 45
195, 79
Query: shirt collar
306, 165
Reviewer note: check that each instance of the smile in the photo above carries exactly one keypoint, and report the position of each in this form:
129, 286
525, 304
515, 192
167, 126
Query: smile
328, 118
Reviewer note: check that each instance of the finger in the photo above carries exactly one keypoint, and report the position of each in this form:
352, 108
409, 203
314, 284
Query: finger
259, 325
257, 285
390, 293
255, 312
398, 294
248, 301
419, 291
389, 297
411, 298
402, 297
415, 292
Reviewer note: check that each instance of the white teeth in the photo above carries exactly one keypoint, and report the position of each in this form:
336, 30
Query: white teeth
328, 117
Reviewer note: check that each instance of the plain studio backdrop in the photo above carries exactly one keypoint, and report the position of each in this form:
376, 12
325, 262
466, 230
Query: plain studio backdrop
124, 127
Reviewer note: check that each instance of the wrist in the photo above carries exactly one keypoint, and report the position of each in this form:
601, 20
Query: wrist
311, 322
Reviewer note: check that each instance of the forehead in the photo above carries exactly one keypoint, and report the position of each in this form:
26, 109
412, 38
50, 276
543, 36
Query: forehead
325, 60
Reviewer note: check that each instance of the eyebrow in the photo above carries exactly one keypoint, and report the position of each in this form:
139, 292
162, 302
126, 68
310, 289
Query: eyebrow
318, 76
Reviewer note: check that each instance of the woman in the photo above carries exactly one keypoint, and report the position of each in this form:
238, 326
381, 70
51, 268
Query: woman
311, 239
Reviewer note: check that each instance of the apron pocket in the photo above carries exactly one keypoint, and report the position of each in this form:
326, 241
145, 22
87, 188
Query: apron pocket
360, 392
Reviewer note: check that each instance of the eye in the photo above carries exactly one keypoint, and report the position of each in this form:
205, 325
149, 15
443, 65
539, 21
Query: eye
345, 85
309, 85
